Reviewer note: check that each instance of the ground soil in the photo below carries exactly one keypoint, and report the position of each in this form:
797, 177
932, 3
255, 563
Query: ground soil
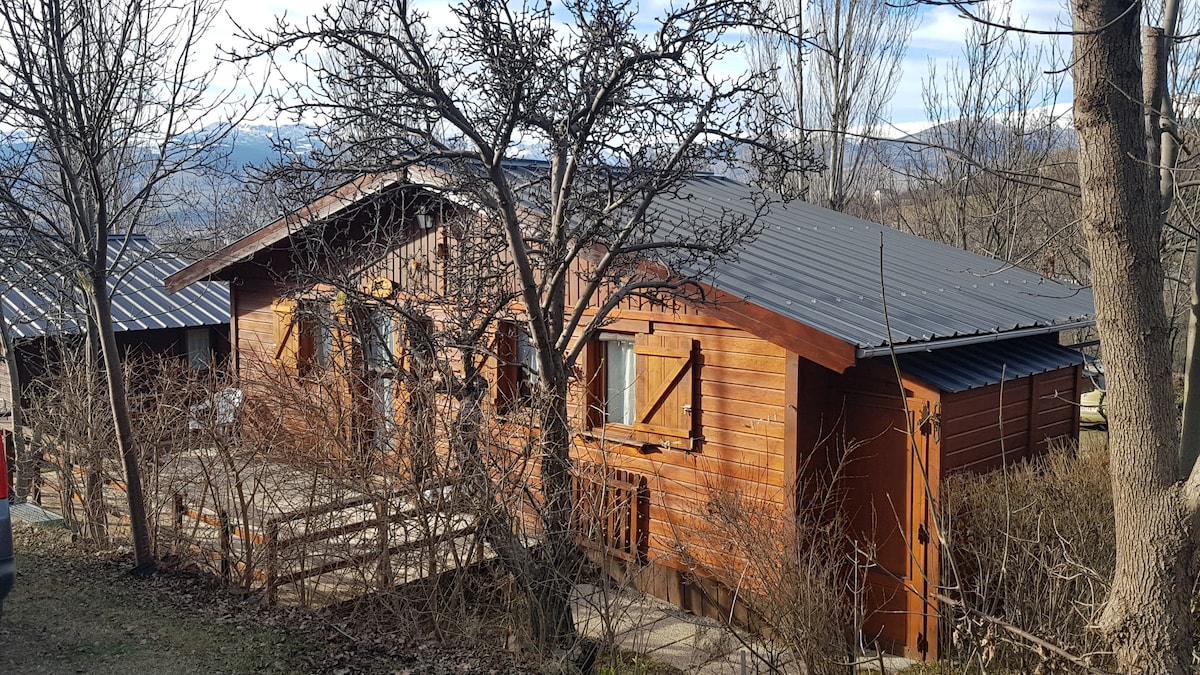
74, 611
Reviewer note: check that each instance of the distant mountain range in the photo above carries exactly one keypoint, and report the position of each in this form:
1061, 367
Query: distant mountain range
257, 145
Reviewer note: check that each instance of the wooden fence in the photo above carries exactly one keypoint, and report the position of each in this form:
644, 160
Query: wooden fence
330, 545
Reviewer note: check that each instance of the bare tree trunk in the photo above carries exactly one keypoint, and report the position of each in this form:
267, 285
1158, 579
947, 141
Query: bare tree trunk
119, 403
1146, 617
553, 622
91, 457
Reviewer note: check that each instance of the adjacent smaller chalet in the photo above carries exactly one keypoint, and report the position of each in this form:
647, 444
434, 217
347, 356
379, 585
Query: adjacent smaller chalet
944, 361
43, 309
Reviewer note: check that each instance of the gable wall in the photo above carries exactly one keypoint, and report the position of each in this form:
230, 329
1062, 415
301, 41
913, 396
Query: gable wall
739, 393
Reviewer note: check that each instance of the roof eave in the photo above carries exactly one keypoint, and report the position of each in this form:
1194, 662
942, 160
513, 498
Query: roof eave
279, 230
946, 343
811, 343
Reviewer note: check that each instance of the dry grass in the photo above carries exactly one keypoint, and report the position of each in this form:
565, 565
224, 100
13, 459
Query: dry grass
1032, 545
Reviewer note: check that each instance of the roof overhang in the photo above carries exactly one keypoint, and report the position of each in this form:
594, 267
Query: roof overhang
961, 341
981, 364
810, 343
265, 237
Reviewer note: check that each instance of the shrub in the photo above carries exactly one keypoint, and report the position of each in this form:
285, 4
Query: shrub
1032, 545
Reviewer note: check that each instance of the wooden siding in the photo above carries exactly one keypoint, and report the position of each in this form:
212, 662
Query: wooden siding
255, 323
739, 394
1009, 422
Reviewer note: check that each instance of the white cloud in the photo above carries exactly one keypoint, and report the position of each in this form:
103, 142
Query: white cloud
942, 28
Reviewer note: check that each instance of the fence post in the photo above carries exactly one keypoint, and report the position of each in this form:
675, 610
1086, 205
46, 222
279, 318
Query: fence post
177, 521
383, 536
272, 551
226, 544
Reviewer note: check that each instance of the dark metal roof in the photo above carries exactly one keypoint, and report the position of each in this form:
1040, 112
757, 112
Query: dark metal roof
814, 266
978, 365
821, 268
38, 302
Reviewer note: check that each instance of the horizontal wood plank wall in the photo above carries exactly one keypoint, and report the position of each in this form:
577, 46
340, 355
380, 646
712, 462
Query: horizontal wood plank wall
255, 334
1009, 422
739, 396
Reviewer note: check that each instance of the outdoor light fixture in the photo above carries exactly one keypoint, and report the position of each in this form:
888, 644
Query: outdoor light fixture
424, 218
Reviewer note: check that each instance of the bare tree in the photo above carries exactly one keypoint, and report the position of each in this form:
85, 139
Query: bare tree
623, 117
976, 178
838, 64
101, 107
1146, 617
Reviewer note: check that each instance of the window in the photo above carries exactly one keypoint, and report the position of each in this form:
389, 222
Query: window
383, 431
518, 367
381, 340
619, 373
419, 345
303, 335
315, 324
528, 366
643, 386
199, 349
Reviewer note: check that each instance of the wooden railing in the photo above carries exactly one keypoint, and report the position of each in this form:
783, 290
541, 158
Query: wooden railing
343, 536
439, 525
612, 512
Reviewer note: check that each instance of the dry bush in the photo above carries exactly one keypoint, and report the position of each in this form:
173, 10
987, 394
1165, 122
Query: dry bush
420, 476
73, 431
795, 575
1032, 545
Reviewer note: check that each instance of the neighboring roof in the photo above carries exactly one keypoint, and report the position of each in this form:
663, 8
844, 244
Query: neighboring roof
37, 303
811, 265
327, 206
978, 365
821, 268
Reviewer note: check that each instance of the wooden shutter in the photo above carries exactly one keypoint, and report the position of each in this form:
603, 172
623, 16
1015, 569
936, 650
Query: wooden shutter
507, 369
665, 405
287, 333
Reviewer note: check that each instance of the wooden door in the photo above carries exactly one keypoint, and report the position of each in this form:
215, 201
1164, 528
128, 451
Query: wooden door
889, 508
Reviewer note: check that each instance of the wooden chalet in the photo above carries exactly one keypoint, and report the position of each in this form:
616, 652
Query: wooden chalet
792, 359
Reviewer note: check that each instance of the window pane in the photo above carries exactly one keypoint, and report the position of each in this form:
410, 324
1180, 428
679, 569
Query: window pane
384, 431
382, 342
620, 379
322, 334
199, 351
528, 366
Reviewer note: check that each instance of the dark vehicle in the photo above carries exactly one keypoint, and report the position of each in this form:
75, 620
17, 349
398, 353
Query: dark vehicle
8, 570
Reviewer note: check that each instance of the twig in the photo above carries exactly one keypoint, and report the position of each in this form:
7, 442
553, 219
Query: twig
1024, 635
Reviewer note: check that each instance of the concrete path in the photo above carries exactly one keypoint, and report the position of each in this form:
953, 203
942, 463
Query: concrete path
691, 643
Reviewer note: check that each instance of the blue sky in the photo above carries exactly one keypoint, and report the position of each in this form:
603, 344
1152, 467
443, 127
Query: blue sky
938, 37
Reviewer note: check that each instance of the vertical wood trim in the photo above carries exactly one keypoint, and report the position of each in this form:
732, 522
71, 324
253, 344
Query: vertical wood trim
791, 432
924, 571
1035, 405
1075, 398
933, 571
235, 350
